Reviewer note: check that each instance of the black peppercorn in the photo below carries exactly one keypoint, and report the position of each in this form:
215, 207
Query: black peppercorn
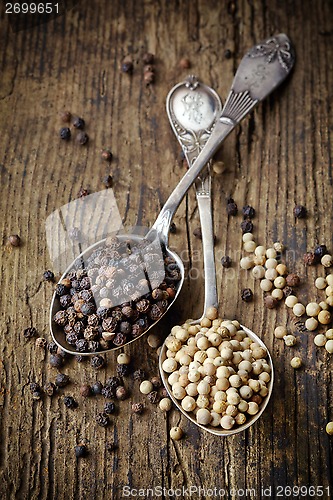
14, 240
148, 58
81, 451
102, 419
123, 370
34, 387
156, 381
113, 382
61, 289
227, 53
79, 359
127, 67
226, 261
85, 391
65, 116
52, 347
109, 407
197, 233
82, 138
81, 345
70, 402
65, 133
29, 332
139, 375
270, 302
293, 279
119, 339
78, 122
300, 212
61, 380
232, 208
97, 362
137, 408
173, 228
121, 393
49, 388
56, 361
320, 251
96, 388
246, 226
287, 291
125, 327
65, 300
153, 397
108, 392
248, 212
106, 155
247, 295
48, 276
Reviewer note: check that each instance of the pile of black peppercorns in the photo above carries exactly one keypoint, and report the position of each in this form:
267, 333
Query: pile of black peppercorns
116, 296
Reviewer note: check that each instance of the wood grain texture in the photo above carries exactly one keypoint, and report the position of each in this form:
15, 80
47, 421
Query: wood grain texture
280, 156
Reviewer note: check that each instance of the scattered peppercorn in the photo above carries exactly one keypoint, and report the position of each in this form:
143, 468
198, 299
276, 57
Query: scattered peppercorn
52, 347
198, 233
127, 67
121, 393
123, 370
287, 291
227, 53
65, 116
232, 208
61, 380
156, 381
137, 408
102, 419
148, 58
247, 295
96, 388
109, 407
106, 155
65, 133
184, 63
49, 389
14, 240
248, 212
173, 228
82, 138
70, 402
81, 451
153, 397
246, 226
56, 361
41, 343
320, 251
270, 302
309, 259
29, 332
48, 276
139, 375
97, 362
300, 212
226, 261
293, 279
34, 387
78, 123
108, 181
85, 390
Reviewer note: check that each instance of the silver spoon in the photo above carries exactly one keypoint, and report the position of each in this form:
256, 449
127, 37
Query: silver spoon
261, 70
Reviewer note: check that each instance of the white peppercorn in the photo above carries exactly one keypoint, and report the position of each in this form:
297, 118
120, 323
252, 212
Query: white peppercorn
271, 263
324, 317
280, 332
220, 406
205, 322
312, 309
329, 428
329, 290
245, 392
266, 285
329, 301
280, 282
329, 346
289, 340
172, 343
247, 237
188, 403
215, 421
320, 283
311, 324
203, 387
203, 344
258, 272
320, 340
271, 274
192, 389
296, 362
249, 246
246, 263
240, 419
329, 334
282, 269
277, 294
243, 405
123, 359
265, 377
324, 305
220, 396
202, 401
260, 251
254, 385
174, 377
211, 313
176, 433
298, 309
327, 260
253, 408
178, 391
235, 381
146, 387
271, 253
259, 260
231, 410
329, 279
165, 404
227, 422
291, 301
279, 247
169, 365
263, 391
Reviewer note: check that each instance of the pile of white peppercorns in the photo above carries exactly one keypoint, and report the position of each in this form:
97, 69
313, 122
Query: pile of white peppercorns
216, 371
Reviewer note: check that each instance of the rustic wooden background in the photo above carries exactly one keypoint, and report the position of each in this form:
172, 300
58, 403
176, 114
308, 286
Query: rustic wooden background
278, 157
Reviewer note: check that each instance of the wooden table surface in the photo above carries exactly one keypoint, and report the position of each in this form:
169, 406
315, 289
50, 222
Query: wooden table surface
279, 157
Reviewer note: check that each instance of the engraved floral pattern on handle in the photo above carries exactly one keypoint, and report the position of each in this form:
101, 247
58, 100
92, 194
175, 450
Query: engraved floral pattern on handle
272, 49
